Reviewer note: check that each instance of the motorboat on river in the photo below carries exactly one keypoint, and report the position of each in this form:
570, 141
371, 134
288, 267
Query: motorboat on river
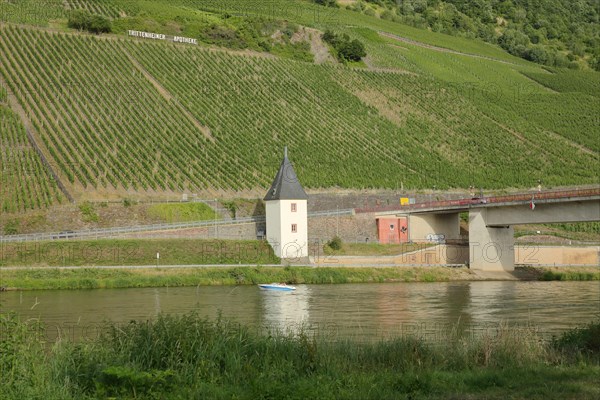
284, 287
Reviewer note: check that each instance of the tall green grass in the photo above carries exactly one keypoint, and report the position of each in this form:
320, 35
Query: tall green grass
570, 276
189, 357
117, 252
95, 278
182, 212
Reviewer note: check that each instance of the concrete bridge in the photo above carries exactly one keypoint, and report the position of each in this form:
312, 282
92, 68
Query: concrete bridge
491, 220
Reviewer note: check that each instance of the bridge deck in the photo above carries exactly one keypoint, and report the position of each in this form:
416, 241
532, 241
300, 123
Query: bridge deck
492, 201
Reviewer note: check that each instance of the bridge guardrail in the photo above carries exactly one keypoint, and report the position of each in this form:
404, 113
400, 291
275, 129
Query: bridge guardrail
549, 195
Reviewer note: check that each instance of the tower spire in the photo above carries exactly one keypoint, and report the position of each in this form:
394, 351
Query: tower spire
286, 185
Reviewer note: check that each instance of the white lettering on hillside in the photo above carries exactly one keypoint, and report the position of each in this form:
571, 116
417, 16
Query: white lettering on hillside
181, 39
160, 36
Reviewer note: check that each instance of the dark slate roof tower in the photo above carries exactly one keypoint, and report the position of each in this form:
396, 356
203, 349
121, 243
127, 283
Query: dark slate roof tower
286, 185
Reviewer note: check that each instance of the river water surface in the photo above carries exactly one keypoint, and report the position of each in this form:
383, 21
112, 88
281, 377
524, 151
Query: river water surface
361, 311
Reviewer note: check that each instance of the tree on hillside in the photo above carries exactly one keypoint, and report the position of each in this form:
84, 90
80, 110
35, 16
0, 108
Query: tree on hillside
595, 63
347, 49
79, 19
352, 50
513, 41
327, 3
99, 24
84, 21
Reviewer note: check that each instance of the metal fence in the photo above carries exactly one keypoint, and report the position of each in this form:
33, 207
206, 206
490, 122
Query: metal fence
101, 233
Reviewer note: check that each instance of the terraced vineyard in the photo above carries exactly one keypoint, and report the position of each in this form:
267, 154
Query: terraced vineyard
124, 115
99, 7
31, 12
570, 81
121, 116
104, 129
24, 182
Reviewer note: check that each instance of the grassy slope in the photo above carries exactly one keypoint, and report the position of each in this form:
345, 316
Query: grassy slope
184, 212
307, 13
459, 121
374, 249
136, 252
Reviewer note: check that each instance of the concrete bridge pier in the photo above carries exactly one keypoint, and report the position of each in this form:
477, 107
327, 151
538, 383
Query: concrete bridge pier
491, 248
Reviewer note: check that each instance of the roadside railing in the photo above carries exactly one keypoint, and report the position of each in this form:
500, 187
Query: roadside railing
474, 201
100, 233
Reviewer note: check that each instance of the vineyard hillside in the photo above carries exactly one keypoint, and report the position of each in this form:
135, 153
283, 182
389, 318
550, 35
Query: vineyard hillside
109, 116
25, 183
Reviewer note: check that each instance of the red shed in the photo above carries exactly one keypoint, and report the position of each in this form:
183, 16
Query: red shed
392, 230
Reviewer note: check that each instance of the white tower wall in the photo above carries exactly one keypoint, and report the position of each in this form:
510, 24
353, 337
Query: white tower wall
280, 219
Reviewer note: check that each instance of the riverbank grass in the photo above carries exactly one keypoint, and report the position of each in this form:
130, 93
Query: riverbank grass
105, 278
109, 278
176, 357
561, 273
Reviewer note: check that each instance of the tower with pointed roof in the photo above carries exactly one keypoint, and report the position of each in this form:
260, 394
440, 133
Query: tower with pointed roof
286, 209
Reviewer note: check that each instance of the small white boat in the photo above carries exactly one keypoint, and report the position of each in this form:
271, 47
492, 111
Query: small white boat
277, 286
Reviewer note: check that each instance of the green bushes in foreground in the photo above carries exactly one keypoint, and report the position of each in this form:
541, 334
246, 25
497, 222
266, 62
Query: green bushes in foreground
188, 357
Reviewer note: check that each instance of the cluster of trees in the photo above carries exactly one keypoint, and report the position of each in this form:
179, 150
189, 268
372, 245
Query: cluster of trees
559, 33
84, 21
346, 49
327, 3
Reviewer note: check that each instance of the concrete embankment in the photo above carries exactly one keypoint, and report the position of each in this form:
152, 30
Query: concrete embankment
457, 255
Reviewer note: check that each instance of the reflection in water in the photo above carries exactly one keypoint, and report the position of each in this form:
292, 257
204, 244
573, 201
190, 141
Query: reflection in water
489, 299
458, 305
361, 311
285, 311
156, 301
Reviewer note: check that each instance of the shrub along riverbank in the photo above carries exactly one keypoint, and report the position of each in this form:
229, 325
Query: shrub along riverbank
187, 357
104, 278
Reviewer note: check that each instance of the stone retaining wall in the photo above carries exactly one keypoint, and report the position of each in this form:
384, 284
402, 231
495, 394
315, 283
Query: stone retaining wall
557, 255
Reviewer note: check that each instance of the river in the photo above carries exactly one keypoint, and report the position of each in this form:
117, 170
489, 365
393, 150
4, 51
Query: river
359, 311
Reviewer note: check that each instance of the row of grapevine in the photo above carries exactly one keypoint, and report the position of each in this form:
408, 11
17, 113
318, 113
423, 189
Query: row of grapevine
25, 184
31, 12
106, 8
587, 82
